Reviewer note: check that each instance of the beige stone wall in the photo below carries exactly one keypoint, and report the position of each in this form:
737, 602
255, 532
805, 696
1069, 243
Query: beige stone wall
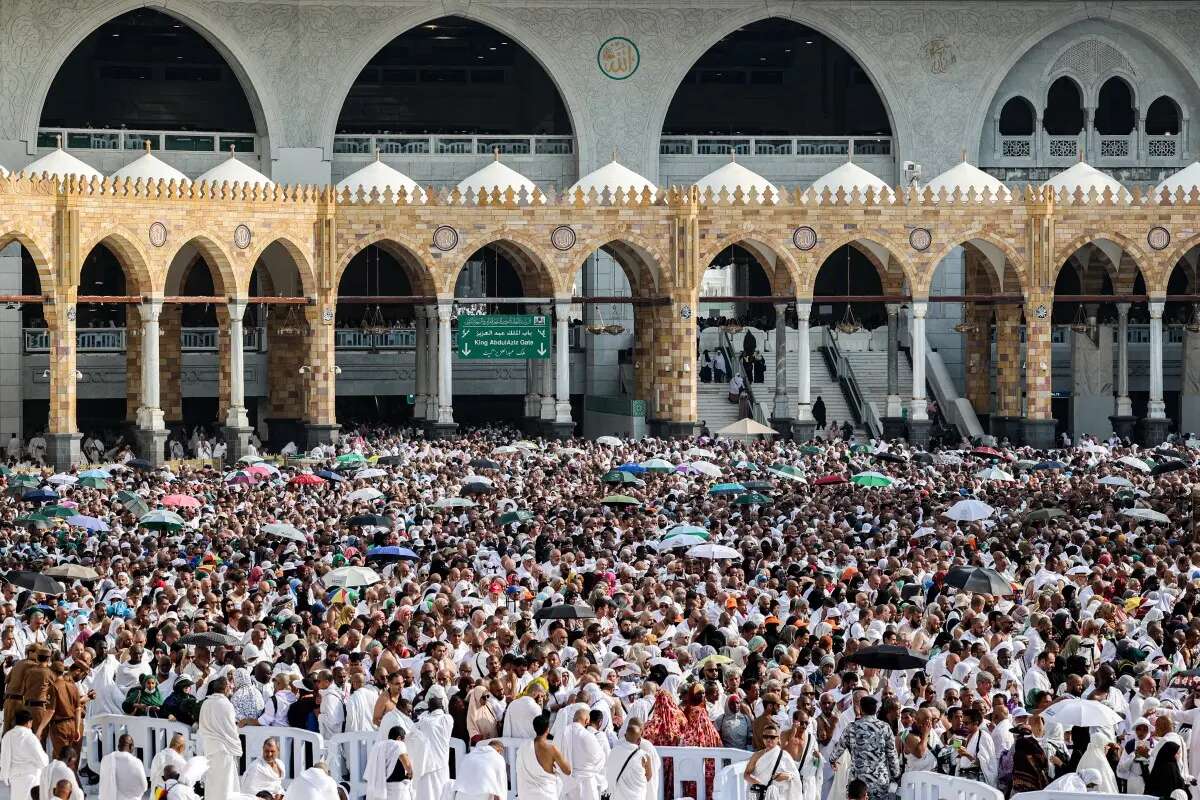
664, 242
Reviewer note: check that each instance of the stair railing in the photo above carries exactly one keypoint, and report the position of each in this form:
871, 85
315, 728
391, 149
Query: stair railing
844, 373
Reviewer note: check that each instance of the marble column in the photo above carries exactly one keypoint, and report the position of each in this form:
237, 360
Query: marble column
420, 390
151, 428
1124, 407
781, 412
894, 403
918, 418
547, 411
445, 417
564, 425
237, 425
1189, 390
804, 426
1154, 427
432, 363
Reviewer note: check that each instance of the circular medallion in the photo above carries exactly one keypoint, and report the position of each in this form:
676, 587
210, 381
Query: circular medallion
445, 238
241, 237
1158, 237
920, 238
327, 315
71, 313
618, 58
158, 234
685, 311
1041, 312
805, 238
563, 237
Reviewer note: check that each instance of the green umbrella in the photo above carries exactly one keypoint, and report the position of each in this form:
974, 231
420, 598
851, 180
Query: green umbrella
743, 464
659, 465
62, 512
34, 519
510, 517
687, 530
619, 476
351, 458
727, 488
787, 471
94, 483
860, 448
25, 481
161, 520
133, 503
5, 471
752, 499
810, 450
872, 479
620, 500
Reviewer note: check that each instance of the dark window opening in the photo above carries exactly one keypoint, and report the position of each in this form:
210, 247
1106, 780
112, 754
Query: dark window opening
1114, 113
1016, 118
1064, 109
1163, 118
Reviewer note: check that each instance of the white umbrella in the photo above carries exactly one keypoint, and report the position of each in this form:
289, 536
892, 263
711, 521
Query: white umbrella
706, 468
1136, 463
570, 451
700, 452
1116, 480
611, 441
714, 551
367, 494
525, 444
477, 479
1148, 514
62, 478
1097, 449
969, 511
669, 664
505, 450
350, 577
454, 502
1084, 713
747, 427
994, 474
370, 472
675, 542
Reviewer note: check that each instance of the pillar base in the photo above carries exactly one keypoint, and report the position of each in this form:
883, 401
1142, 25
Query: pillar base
672, 429
319, 434
1003, 427
62, 450
281, 430
918, 432
783, 425
531, 426
804, 430
1124, 427
151, 444
442, 430
1039, 433
559, 430
237, 442
894, 428
1152, 431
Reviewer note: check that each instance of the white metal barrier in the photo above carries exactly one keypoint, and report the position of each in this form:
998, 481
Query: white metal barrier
1078, 796
356, 747
934, 786
150, 736
299, 749
689, 766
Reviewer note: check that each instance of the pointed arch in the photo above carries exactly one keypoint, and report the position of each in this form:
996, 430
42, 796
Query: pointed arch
1005, 263
218, 260
299, 256
640, 259
38, 253
770, 257
404, 250
537, 278
879, 249
130, 255
1114, 241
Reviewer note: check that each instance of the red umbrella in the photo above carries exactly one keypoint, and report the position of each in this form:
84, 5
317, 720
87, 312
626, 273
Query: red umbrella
180, 501
829, 480
306, 479
989, 452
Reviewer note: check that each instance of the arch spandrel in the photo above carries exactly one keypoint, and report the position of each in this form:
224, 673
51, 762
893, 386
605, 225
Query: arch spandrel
533, 262
37, 250
770, 254
300, 259
132, 257
399, 246
220, 263
880, 244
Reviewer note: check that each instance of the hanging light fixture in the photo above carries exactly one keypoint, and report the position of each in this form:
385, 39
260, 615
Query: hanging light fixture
849, 322
966, 326
294, 323
1079, 324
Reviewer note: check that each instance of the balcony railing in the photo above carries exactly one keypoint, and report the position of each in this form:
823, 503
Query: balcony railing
1134, 334
355, 339
175, 141
441, 145
112, 340
1044, 150
775, 146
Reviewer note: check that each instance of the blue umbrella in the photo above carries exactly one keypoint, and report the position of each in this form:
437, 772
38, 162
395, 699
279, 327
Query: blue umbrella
329, 475
633, 469
96, 473
40, 496
392, 552
88, 523
1050, 465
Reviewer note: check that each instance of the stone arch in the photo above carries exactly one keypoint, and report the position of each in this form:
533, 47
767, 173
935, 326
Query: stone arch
640, 259
299, 256
770, 257
219, 262
1110, 238
537, 278
874, 246
1170, 45
1003, 259
856, 45
45, 271
1176, 256
542, 50
406, 252
130, 256
215, 28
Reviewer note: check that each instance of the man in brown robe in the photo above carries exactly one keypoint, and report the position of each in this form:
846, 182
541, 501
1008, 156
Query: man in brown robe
36, 691
14, 685
66, 723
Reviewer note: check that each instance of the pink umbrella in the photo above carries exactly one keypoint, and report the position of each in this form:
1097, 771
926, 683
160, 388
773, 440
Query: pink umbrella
259, 469
180, 501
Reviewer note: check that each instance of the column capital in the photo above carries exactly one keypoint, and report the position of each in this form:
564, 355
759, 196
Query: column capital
918, 308
150, 308
237, 308
445, 310
1156, 308
1123, 310
780, 307
893, 309
803, 308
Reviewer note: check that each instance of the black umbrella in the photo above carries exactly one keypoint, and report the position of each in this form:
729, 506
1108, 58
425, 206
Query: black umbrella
565, 612
377, 520
888, 656
758, 486
35, 582
139, 463
923, 458
1044, 514
980, 580
1163, 467
892, 457
211, 639
477, 488
1169, 453
484, 463
391, 461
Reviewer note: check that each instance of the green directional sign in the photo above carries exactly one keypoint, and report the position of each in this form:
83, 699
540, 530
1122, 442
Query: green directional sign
495, 336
